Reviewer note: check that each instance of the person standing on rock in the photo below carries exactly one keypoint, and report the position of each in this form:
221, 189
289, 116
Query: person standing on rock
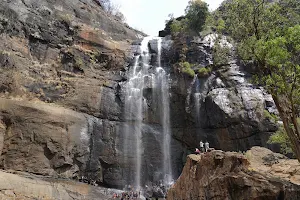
206, 146
201, 146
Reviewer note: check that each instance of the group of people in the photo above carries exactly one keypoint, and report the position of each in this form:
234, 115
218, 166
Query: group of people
84, 179
127, 195
204, 147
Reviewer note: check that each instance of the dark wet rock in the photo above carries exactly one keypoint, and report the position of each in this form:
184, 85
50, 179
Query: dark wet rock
231, 110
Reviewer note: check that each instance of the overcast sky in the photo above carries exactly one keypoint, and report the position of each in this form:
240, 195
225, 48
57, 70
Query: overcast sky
149, 15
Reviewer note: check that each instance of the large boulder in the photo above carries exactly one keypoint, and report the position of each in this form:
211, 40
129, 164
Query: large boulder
274, 164
228, 175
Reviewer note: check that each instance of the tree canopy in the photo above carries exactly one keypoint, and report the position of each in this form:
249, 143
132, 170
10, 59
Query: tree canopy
196, 13
194, 19
268, 34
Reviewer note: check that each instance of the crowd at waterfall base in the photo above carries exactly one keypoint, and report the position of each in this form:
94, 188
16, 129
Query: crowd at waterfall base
150, 191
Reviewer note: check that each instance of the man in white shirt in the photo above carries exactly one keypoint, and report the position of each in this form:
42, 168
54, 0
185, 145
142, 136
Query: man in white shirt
201, 146
206, 146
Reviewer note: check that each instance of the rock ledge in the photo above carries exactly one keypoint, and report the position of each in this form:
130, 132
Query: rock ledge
228, 175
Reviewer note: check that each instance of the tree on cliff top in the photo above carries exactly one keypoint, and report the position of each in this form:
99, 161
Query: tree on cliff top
269, 35
194, 20
196, 13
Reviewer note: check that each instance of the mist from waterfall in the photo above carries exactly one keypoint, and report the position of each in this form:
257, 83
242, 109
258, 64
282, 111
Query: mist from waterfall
144, 76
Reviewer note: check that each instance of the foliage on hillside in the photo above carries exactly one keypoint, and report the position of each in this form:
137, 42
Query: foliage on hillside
193, 21
191, 24
280, 137
268, 34
186, 68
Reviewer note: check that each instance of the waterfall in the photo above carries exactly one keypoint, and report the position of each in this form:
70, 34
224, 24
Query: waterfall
135, 108
189, 93
197, 99
163, 87
141, 76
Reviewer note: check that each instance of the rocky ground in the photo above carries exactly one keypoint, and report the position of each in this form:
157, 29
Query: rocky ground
259, 174
24, 186
273, 164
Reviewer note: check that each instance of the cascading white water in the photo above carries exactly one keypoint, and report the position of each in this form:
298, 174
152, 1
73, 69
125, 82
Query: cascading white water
197, 99
163, 86
134, 106
140, 75
189, 93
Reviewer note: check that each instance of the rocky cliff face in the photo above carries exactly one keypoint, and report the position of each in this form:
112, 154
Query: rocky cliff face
223, 108
62, 76
227, 175
60, 110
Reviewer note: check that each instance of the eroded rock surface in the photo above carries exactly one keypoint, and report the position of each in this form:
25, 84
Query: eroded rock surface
274, 164
60, 68
54, 141
27, 187
228, 175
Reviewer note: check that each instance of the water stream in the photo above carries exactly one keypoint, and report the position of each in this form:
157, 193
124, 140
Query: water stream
197, 99
142, 76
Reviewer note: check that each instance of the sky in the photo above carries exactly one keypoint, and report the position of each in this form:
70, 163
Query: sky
149, 16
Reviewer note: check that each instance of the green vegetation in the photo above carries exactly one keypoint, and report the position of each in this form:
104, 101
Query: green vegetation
270, 116
204, 72
178, 26
268, 34
220, 26
196, 14
185, 67
194, 20
220, 54
281, 138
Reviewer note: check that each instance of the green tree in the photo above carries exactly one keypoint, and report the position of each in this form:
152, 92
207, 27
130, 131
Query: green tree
220, 25
280, 137
221, 53
268, 34
196, 13
178, 26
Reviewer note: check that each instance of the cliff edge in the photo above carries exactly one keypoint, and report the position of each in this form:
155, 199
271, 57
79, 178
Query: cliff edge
229, 175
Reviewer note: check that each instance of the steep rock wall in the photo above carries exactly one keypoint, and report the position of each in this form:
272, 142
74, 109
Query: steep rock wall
60, 65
